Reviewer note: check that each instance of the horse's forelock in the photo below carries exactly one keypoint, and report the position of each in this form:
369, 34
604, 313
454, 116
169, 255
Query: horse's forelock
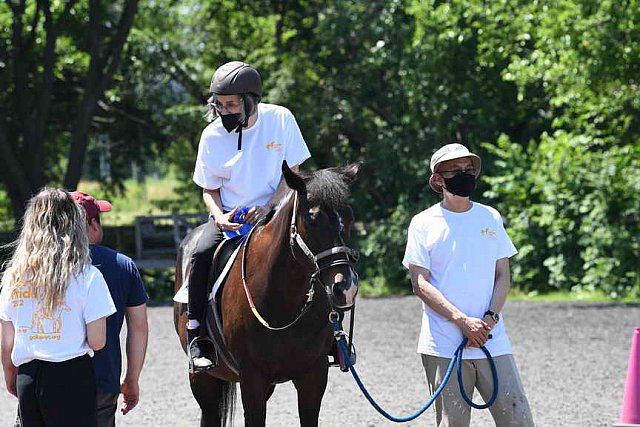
327, 188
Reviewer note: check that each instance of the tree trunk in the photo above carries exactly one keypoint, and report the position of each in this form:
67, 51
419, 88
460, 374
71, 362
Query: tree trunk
101, 70
13, 177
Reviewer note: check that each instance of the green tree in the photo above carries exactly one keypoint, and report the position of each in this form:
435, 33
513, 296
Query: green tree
57, 61
572, 196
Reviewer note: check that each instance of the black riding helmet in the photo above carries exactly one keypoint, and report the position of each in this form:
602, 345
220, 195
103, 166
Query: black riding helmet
236, 78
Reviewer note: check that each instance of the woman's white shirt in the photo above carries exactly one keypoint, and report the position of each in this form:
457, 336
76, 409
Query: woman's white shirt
61, 335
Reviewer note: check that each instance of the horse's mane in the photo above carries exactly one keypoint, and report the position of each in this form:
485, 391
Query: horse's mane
326, 188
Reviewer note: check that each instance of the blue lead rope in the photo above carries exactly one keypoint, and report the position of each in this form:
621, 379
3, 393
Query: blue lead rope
456, 359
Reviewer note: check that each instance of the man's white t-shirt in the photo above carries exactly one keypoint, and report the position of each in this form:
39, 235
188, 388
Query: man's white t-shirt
61, 335
460, 251
250, 176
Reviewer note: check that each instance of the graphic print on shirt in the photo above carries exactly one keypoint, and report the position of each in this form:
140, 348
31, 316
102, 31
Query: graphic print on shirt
45, 325
489, 233
18, 297
273, 145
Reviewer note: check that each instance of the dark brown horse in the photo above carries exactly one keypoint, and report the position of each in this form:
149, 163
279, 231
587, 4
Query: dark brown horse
301, 250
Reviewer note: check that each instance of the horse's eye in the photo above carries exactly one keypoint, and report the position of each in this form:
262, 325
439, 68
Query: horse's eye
314, 214
314, 211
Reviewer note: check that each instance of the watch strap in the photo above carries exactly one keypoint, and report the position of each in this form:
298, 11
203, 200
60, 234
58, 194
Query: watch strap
494, 316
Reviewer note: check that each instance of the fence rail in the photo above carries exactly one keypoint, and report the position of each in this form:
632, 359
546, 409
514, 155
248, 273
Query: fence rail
157, 237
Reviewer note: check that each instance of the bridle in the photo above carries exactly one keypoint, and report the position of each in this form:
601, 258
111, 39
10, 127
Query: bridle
351, 256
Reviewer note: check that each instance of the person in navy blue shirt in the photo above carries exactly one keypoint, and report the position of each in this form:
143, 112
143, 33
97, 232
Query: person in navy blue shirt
130, 297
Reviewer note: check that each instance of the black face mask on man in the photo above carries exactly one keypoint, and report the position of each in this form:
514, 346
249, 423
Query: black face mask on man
461, 185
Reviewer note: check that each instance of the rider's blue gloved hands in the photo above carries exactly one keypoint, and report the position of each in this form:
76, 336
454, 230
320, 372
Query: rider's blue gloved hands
238, 217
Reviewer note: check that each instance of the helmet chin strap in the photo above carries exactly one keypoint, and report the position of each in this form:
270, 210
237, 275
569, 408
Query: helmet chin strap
244, 124
239, 131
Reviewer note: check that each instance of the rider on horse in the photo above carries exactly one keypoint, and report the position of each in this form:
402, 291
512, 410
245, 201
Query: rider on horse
238, 166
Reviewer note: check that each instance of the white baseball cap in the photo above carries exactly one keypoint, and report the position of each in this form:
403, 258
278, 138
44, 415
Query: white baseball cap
451, 152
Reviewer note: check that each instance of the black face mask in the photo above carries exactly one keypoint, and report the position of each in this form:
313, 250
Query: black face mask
231, 121
461, 185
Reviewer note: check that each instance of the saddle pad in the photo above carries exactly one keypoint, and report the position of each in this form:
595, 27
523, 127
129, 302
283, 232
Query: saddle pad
182, 296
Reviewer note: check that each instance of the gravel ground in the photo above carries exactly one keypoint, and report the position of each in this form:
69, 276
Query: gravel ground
572, 358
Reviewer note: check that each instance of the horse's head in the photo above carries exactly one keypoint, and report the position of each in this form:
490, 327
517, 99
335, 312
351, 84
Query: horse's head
320, 227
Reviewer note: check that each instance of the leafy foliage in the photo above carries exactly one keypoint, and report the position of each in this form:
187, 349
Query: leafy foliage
571, 196
570, 214
546, 92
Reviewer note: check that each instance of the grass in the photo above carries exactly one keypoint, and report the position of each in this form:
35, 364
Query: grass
151, 197
378, 288
578, 295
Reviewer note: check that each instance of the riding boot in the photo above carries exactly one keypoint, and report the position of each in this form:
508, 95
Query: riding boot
198, 358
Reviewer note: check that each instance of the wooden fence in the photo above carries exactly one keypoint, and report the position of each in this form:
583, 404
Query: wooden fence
157, 237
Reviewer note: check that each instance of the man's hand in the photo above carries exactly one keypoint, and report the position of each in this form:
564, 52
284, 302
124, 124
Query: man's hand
130, 395
255, 214
224, 222
476, 330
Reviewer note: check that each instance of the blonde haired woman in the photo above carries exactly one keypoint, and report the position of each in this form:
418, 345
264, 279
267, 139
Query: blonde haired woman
53, 310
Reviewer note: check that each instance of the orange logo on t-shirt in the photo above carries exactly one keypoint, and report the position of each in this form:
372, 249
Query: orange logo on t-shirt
46, 324
489, 233
273, 146
18, 295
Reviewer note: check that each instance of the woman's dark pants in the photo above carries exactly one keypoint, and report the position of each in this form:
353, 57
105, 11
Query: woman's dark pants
57, 394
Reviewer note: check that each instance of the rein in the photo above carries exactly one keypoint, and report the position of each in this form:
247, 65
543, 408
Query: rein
456, 359
254, 310
296, 238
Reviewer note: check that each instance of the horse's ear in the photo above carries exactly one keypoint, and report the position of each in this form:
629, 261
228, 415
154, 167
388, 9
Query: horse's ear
351, 171
292, 179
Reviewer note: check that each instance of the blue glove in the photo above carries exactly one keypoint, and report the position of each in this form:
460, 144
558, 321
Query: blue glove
238, 217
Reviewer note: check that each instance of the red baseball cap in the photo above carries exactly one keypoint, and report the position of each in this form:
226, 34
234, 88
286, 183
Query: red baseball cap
91, 206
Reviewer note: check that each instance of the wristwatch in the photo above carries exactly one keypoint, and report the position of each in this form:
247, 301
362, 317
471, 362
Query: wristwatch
494, 316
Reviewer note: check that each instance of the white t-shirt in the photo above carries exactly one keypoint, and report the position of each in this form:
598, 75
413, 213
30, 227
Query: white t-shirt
250, 176
62, 335
460, 251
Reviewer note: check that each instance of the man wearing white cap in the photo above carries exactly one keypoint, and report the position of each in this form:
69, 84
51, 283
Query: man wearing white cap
458, 256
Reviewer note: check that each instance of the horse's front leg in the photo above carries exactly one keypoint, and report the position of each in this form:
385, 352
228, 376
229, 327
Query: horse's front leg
255, 389
311, 386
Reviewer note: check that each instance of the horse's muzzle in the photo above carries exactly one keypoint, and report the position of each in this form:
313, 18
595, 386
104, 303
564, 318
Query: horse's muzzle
345, 289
